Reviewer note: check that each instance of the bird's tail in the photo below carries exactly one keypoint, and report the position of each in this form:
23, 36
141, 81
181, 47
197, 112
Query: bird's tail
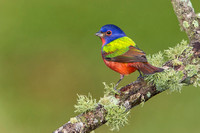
147, 68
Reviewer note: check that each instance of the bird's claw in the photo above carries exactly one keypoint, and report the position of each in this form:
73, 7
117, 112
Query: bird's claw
116, 90
140, 77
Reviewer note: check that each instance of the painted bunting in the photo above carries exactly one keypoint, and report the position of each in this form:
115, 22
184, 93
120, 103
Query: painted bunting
121, 54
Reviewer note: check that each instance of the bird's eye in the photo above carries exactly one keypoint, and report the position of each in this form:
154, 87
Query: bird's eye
109, 33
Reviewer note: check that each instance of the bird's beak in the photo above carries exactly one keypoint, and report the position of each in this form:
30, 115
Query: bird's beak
99, 34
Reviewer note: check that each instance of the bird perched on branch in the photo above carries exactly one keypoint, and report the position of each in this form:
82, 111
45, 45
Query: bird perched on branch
121, 54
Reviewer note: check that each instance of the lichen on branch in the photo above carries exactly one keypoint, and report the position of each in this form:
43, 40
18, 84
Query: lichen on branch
178, 57
116, 115
85, 103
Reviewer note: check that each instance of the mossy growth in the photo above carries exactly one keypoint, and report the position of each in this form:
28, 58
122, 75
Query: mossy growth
192, 72
196, 82
109, 90
142, 101
198, 15
85, 103
116, 114
174, 53
73, 120
156, 59
195, 23
149, 94
171, 79
186, 24
192, 69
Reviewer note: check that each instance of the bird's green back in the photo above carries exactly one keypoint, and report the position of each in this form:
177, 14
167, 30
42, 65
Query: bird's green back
118, 46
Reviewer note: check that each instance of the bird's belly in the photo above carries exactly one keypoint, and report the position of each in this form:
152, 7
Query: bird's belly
122, 68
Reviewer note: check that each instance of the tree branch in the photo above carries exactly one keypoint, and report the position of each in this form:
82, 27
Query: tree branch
187, 18
134, 93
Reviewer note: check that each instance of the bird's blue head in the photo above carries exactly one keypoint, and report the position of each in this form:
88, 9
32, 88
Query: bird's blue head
109, 33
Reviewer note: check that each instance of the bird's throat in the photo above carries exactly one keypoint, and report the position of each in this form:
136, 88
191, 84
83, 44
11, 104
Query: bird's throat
103, 41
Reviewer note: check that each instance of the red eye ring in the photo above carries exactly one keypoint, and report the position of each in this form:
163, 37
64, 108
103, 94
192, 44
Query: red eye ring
108, 33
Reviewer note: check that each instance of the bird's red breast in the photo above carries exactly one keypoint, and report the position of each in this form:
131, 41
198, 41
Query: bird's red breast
122, 68
128, 68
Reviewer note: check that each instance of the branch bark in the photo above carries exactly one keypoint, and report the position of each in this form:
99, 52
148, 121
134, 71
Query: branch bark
137, 92
187, 18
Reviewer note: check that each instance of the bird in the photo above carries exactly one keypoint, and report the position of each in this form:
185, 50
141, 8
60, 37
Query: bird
121, 54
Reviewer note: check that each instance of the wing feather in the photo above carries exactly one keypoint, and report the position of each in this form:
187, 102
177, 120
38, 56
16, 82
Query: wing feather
132, 54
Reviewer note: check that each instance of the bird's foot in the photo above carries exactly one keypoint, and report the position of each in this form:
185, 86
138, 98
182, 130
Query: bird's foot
140, 77
116, 90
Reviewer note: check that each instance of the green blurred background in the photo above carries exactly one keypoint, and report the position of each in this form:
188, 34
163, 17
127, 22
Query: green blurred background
49, 54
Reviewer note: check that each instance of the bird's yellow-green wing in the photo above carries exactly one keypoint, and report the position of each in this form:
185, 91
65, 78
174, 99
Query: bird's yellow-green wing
123, 50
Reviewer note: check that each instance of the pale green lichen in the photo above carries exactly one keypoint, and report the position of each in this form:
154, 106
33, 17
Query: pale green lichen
109, 89
176, 62
192, 70
196, 82
142, 101
169, 79
116, 116
148, 94
186, 24
73, 120
195, 23
174, 52
85, 103
156, 59
174, 82
190, 4
198, 15
107, 100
